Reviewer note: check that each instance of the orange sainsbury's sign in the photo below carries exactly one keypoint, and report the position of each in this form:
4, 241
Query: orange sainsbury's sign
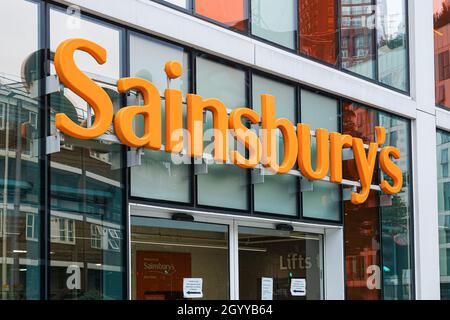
262, 149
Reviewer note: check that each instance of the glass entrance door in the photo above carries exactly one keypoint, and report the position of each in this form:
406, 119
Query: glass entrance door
222, 258
279, 265
167, 256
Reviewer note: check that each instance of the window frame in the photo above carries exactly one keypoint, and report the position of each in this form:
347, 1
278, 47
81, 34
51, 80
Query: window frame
62, 233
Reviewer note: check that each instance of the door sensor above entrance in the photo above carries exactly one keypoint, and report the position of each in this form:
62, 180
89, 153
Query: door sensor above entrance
284, 227
182, 217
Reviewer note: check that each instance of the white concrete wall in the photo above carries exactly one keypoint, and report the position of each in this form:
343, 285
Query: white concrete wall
168, 23
426, 240
424, 151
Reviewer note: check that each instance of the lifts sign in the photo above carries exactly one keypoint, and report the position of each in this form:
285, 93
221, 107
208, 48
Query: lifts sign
260, 148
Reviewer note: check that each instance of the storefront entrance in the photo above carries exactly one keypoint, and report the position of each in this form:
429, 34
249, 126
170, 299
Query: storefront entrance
174, 258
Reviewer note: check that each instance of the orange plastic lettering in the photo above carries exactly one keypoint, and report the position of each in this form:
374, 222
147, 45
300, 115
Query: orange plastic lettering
195, 107
151, 111
173, 69
365, 166
381, 135
269, 126
74, 79
174, 120
391, 169
245, 136
337, 143
304, 152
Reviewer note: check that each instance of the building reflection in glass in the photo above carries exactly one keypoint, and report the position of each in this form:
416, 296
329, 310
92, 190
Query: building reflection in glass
378, 232
318, 30
442, 51
443, 147
86, 188
19, 129
357, 37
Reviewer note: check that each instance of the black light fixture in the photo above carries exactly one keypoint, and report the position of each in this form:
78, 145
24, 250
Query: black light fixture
178, 216
284, 227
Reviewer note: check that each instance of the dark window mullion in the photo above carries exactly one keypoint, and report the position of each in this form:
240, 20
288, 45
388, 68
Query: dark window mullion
44, 160
375, 41
126, 172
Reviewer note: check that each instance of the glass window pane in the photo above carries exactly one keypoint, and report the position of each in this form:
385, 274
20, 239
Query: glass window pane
164, 252
319, 111
361, 222
396, 212
442, 52
392, 43
275, 21
180, 3
285, 97
281, 256
318, 29
278, 193
86, 182
148, 57
171, 180
69, 26
443, 147
323, 201
20, 182
216, 80
230, 12
224, 185
358, 37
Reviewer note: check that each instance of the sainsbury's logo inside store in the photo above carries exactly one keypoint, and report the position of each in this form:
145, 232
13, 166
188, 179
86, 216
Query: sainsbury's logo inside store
259, 138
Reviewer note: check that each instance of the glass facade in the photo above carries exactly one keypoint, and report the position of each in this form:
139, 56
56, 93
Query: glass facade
20, 174
89, 185
378, 233
443, 144
372, 34
87, 221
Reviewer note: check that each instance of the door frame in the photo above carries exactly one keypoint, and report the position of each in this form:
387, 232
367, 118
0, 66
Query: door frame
332, 277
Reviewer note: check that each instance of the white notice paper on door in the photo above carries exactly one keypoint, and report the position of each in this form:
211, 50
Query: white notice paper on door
192, 287
298, 287
266, 288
